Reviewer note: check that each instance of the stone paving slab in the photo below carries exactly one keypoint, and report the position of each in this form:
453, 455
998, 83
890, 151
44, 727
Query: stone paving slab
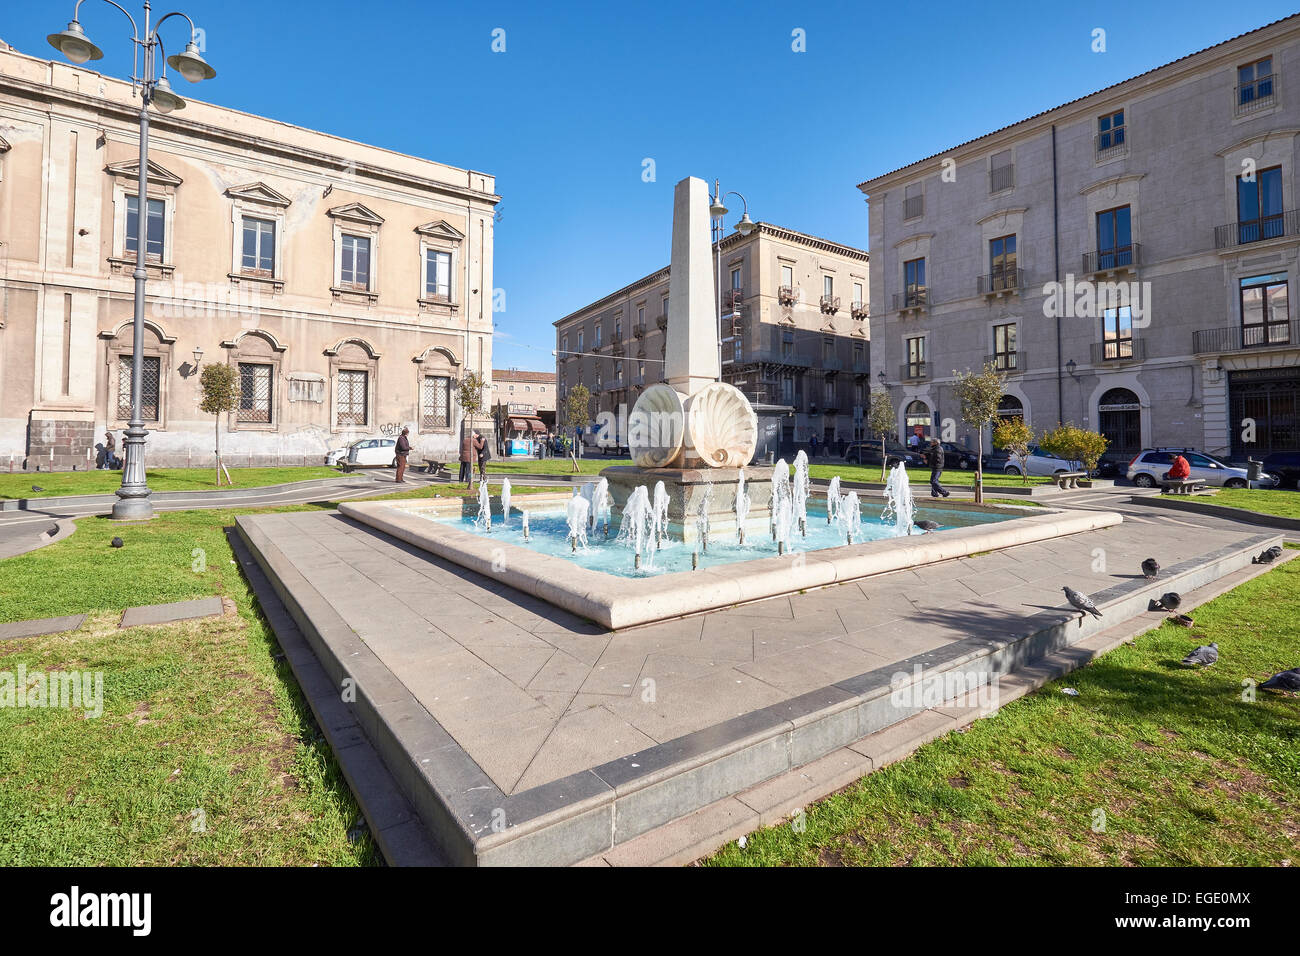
169, 613
17, 630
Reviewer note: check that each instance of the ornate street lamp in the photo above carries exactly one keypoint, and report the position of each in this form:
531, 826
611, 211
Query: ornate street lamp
134, 502
746, 226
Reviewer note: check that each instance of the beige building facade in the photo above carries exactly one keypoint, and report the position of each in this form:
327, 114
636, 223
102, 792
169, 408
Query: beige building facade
1177, 189
350, 286
794, 337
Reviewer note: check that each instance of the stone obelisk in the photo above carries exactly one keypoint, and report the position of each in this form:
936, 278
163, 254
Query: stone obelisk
691, 347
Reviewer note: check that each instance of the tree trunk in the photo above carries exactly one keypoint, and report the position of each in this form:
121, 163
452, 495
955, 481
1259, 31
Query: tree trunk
217, 426
884, 460
979, 468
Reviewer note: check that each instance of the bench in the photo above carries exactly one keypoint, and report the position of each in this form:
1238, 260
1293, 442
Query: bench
1070, 479
1181, 486
434, 467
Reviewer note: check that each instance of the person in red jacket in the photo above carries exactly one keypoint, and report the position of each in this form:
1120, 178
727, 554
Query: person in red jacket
1179, 470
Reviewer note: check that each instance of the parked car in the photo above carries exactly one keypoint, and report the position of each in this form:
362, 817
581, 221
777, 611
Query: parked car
1285, 465
868, 453
957, 456
1040, 462
1149, 466
365, 453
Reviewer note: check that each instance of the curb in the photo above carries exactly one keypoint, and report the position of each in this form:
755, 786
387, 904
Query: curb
1222, 511
64, 501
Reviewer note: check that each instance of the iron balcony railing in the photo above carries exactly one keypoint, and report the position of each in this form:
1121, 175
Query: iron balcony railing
1004, 280
913, 207
785, 295
861, 366
912, 371
830, 304
1280, 226
1235, 338
1112, 143
1109, 260
773, 357
1007, 361
861, 311
831, 364
1118, 350
911, 299
1254, 96
1004, 177
638, 330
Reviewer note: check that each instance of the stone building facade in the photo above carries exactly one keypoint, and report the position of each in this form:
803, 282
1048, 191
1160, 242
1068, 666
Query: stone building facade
795, 338
350, 286
1177, 187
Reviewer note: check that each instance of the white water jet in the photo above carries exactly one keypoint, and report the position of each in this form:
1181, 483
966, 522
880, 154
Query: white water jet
600, 504
742, 507
525, 524
659, 516
899, 506
588, 493
799, 491
505, 502
637, 528
848, 514
575, 512
782, 518
702, 516
832, 499
484, 521
780, 490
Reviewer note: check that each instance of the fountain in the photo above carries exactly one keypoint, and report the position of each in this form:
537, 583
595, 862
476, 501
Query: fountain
780, 490
484, 521
799, 489
600, 502
899, 507
832, 499
505, 502
742, 507
525, 524
659, 515
702, 517
848, 513
637, 530
576, 515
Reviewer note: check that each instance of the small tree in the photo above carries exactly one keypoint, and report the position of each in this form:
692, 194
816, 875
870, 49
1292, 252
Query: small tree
469, 393
1014, 437
880, 419
217, 383
1075, 444
577, 414
979, 394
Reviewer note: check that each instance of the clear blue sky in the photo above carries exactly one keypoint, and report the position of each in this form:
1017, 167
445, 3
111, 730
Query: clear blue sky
585, 91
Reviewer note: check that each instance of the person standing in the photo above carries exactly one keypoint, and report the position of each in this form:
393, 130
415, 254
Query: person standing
403, 451
110, 450
467, 457
812, 444
484, 455
934, 458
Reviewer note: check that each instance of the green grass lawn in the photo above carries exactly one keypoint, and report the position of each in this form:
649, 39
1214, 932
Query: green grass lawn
160, 479
550, 466
1270, 501
851, 472
1185, 771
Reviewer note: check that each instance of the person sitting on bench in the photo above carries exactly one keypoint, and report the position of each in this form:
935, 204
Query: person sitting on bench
1179, 470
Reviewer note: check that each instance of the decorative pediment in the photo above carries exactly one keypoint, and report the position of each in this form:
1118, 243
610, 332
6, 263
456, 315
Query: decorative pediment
356, 212
352, 340
268, 337
440, 229
258, 193
158, 176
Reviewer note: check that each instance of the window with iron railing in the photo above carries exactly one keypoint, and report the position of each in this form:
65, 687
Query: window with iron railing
255, 385
914, 283
1256, 85
913, 201
435, 402
353, 396
1114, 238
915, 367
1117, 334
1004, 347
149, 388
1265, 311
1002, 177
1002, 263
1259, 206
1112, 135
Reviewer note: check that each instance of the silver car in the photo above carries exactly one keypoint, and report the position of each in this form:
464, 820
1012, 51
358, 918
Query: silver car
1149, 468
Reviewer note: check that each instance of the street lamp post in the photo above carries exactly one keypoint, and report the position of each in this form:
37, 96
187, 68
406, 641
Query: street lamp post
134, 502
746, 225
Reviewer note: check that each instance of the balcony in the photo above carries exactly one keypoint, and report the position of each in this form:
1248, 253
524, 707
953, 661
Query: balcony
1002, 178
785, 295
1118, 351
771, 357
638, 330
1001, 282
1285, 225
860, 311
911, 299
861, 366
914, 371
830, 304
831, 366
1117, 259
618, 348
1237, 338
913, 207
1252, 97
1111, 144
661, 321
1009, 362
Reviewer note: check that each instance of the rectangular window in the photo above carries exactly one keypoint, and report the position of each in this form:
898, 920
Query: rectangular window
353, 398
255, 385
787, 389
435, 402
1117, 334
437, 275
1259, 206
149, 392
738, 349
913, 282
787, 344
564, 345
259, 247
354, 270
153, 240
1114, 238
787, 276
913, 201
1255, 83
618, 330
735, 278
828, 349
1110, 131
828, 392
1004, 346
857, 293
828, 286
640, 316
618, 372
1265, 312
1002, 263
916, 357
597, 338
580, 348
1002, 172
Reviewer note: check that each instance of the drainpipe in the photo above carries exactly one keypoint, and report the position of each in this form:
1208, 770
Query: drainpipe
1056, 261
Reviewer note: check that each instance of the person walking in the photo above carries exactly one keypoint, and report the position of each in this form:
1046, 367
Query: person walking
934, 457
812, 444
403, 450
110, 450
467, 457
484, 456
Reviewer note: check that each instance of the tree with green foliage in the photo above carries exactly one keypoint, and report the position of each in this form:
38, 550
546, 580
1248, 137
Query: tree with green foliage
1075, 445
219, 395
879, 418
577, 415
1014, 437
979, 394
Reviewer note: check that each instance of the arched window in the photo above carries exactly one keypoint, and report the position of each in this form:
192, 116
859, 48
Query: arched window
1119, 417
918, 420
1010, 407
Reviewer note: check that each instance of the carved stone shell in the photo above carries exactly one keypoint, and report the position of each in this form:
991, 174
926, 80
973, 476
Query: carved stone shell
722, 426
656, 428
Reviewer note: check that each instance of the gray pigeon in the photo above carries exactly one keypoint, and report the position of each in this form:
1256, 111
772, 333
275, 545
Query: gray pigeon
1169, 601
1150, 569
1287, 680
1203, 656
116, 542
1268, 556
927, 525
1081, 601
37, 488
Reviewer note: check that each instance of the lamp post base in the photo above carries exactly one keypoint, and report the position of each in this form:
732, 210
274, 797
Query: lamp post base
135, 502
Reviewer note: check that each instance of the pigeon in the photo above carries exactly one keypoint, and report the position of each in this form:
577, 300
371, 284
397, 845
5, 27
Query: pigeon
1081, 601
1168, 602
1150, 569
927, 526
1287, 680
1203, 656
116, 542
1268, 556
37, 488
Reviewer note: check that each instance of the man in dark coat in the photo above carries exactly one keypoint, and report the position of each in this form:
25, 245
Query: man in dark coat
403, 450
467, 457
934, 457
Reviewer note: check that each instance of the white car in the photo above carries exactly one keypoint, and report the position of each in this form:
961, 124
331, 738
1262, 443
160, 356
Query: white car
1148, 467
1041, 462
365, 453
